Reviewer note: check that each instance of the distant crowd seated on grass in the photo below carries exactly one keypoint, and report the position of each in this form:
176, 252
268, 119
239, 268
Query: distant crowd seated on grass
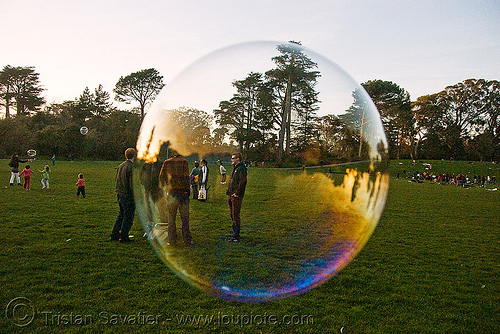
463, 180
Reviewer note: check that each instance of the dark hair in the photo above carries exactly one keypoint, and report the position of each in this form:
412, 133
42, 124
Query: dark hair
237, 155
27, 167
203, 161
129, 153
80, 176
196, 164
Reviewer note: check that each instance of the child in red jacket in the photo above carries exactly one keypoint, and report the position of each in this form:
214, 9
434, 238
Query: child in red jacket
81, 186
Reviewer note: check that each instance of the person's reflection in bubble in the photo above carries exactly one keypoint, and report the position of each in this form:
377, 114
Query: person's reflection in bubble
174, 180
150, 176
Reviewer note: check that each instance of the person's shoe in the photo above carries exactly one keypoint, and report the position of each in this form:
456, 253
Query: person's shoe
19, 184
12, 184
125, 240
232, 238
114, 238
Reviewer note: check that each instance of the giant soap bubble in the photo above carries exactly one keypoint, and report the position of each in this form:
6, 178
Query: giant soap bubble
288, 106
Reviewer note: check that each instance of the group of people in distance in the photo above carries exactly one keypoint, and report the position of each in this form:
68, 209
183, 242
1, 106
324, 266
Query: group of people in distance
169, 187
27, 171
463, 180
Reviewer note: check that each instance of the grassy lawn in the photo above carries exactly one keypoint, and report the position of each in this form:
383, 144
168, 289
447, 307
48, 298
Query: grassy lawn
432, 264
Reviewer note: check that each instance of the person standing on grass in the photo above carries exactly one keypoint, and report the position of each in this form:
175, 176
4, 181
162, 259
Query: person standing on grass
194, 178
174, 179
222, 172
204, 171
125, 196
150, 176
27, 176
14, 163
81, 186
45, 176
236, 191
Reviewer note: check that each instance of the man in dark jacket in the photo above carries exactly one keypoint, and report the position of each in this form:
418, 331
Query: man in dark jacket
174, 179
125, 196
236, 191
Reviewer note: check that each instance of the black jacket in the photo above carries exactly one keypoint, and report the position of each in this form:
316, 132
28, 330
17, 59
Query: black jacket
14, 163
238, 181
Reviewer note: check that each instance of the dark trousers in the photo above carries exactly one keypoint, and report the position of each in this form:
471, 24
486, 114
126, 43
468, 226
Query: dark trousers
234, 210
125, 218
194, 188
81, 190
174, 204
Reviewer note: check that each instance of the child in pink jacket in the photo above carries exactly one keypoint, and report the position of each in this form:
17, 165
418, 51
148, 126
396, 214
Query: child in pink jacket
27, 172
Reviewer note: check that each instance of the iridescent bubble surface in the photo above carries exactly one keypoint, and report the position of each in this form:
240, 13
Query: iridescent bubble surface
299, 226
84, 130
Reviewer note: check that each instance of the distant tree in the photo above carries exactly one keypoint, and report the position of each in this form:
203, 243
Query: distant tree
22, 85
471, 107
356, 119
15, 136
194, 126
393, 103
102, 106
492, 122
94, 104
427, 115
247, 113
142, 87
462, 121
293, 82
85, 104
337, 139
464, 105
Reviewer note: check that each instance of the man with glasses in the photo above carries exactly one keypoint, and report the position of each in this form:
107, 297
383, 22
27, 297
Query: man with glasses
236, 191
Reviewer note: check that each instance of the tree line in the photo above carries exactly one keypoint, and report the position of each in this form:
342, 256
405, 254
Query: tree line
272, 116
55, 128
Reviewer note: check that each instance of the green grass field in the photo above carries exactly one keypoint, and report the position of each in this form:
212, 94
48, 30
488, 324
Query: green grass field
431, 266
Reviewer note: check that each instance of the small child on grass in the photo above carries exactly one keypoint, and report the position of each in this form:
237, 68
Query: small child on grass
27, 175
81, 186
45, 176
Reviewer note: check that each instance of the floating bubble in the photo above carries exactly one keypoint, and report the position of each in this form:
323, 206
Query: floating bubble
31, 152
290, 107
84, 130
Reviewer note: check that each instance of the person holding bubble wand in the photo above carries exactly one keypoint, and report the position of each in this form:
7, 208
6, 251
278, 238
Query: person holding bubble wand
14, 163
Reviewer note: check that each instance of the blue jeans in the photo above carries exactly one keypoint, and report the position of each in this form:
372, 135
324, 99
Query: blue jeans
125, 218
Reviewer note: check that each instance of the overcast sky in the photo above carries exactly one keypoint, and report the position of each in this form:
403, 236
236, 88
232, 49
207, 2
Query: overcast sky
423, 46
